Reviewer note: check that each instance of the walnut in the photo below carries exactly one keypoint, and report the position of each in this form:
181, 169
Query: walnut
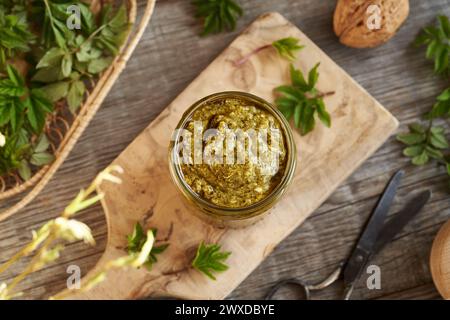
368, 23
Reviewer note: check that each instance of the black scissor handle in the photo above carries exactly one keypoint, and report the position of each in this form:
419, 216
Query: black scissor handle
307, 288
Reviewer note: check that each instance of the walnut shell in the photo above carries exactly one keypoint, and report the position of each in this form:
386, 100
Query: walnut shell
352, 18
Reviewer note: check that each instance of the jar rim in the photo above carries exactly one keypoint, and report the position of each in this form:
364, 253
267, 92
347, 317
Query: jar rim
253, 209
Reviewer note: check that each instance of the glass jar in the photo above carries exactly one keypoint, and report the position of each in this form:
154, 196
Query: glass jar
224, 216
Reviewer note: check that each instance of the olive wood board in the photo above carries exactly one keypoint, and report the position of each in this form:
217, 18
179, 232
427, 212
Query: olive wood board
326, 157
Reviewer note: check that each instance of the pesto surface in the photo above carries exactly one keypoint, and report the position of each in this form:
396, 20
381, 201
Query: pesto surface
241, 184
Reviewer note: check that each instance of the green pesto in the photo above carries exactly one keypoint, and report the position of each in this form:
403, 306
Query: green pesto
242, 184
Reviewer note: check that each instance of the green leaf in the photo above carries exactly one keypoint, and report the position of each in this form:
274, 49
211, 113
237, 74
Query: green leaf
297, 79
52, 58
448, 168
87, 52
413, 151
15, 34
440, 109
138, 238
24, 170
302, 100
445, 25
307, 122
437, 130
9, 88
313, 76
210, 259
42, 144
287, 47
120, 19
114, 30
420, 159
14, 112
411, 138
433, 153
444, 96
218, 15
416, 128
14, 76
98, 65
298, 114
66, 65
324, 116
285, 106
56, 91
42, 158
438, 139
87, 18
48, 75
75, 95
38, 106
438, 47
290, 93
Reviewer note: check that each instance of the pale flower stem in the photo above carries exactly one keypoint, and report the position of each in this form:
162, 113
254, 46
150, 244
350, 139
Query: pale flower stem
79, 203
30, 268
22, 253
245, 58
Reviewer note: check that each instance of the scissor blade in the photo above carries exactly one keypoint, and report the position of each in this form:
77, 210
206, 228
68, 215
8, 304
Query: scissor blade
400, 220
378, 218
364, 248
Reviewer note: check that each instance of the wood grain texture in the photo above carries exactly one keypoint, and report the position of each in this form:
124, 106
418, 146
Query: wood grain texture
325, 158
168, 58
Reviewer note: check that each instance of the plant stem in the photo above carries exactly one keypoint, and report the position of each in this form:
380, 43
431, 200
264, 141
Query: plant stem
245, 58
31, 266
22, 253
319, 95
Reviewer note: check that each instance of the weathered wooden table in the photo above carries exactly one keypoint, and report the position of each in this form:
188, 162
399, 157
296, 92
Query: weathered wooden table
170, 55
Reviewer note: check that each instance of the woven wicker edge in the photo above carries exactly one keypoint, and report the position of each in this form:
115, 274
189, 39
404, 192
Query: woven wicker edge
87, 112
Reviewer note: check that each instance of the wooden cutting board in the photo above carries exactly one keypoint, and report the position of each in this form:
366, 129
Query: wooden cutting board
325, 159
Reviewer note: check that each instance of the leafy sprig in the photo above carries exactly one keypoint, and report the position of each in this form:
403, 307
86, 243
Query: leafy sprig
218, 15
48, 242
286, 48
57, 65
437, 40
137, 240
78, 56
425, 143
442, 107
303, 101
15, 36
209, 259
22, 111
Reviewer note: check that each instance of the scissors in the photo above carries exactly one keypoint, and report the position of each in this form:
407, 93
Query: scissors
376, 235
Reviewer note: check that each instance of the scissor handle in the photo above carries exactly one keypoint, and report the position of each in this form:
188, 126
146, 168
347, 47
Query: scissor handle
307, 288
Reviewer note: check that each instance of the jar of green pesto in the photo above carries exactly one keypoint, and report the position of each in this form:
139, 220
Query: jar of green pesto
232, 156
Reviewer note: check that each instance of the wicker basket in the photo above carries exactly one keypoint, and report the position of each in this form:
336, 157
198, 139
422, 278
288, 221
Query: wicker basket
93, 101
